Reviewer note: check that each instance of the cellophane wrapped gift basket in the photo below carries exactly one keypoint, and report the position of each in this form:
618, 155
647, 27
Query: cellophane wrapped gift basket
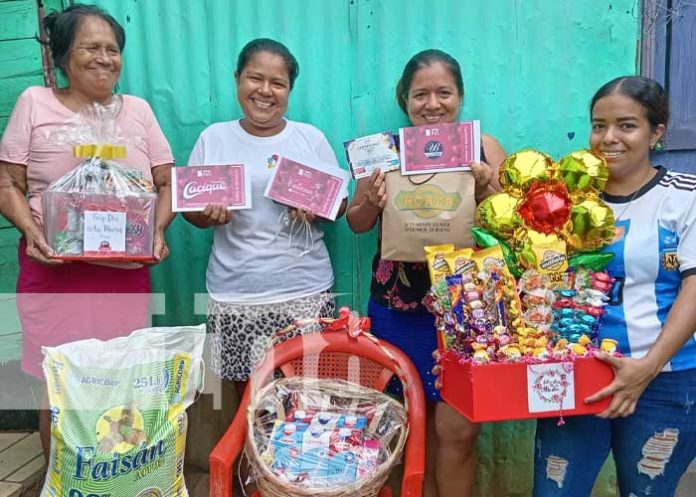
100, 210
309, 437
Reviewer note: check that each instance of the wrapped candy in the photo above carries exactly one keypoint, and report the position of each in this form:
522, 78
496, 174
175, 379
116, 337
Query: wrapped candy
545, 253
609, 345
437, 264
484, 240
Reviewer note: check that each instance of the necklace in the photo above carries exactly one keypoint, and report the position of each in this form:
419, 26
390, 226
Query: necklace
633, 196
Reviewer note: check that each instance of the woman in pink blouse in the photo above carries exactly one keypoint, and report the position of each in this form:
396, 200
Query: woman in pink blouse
62, 302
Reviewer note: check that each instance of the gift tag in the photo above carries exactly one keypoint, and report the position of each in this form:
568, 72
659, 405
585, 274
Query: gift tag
105, 231
550, 387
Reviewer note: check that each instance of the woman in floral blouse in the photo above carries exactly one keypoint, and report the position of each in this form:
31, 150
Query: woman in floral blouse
430, 91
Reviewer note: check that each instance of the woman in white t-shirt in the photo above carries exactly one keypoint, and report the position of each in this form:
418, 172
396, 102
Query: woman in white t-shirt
258, 279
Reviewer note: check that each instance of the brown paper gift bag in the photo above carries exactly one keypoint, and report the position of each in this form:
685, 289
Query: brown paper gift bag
426, 209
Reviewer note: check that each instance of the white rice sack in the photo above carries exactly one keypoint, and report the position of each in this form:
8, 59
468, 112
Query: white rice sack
118, 419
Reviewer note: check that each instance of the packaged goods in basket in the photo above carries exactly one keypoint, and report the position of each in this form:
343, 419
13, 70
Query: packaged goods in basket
118, 412
101, 209
323, 437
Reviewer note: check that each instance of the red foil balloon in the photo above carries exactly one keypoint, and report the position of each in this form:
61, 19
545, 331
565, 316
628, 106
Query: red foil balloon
546, 206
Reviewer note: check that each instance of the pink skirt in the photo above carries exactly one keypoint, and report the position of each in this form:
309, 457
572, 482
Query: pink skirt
76, 301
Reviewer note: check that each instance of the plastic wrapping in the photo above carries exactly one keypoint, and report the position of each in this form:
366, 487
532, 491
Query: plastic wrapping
323, 437
100, 210
118, 412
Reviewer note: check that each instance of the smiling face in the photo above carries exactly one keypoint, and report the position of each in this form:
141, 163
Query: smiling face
622, 133
95, 59
263, 88
433, 97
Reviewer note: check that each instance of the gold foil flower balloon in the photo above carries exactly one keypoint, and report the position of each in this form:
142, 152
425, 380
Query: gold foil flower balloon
523, 167
498, 214
592, 223
584, 170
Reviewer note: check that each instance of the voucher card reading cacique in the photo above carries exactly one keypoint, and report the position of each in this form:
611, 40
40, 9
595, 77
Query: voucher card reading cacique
318, 188
440, 148
197, 186
372, 152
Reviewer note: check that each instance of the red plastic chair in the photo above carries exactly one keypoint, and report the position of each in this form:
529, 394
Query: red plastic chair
333, 355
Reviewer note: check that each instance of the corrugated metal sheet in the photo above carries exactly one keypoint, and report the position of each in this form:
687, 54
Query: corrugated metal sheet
530, 68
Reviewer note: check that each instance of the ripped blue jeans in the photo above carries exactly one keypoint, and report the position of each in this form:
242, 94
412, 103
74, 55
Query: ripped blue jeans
652, 448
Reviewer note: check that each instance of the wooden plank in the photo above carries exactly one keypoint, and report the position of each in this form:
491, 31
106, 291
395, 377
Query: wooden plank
19, 454
19, 58
30, 472
11, 88
20, 66
9, 240
7, 439
51, 5
18, 19
10, 489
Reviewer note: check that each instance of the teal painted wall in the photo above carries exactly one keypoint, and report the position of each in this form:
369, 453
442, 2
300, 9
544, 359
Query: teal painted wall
530, 68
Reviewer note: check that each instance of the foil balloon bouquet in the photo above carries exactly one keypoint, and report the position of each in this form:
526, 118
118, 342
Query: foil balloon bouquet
100, 210
527, 308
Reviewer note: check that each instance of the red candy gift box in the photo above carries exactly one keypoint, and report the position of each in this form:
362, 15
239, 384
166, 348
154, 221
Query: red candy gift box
507, 391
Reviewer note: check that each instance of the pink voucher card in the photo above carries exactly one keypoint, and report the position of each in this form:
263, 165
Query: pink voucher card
318, 188
194, 187
440, 148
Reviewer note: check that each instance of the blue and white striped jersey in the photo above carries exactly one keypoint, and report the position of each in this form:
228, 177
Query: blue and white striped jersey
654, 249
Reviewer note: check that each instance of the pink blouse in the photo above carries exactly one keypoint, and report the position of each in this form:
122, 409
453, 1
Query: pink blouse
38, 114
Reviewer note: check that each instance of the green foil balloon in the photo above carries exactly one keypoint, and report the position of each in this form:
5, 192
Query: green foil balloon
484, 240
584, 170
523, 167
498, 214
591, 224
596, 261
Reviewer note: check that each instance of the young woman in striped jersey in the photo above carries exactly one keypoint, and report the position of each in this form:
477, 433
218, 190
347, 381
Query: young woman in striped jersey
650, 424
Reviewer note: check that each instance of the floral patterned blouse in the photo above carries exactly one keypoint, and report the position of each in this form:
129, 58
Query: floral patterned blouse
400, 285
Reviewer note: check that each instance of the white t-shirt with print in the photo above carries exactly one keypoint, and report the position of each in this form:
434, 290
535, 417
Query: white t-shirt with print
253, 259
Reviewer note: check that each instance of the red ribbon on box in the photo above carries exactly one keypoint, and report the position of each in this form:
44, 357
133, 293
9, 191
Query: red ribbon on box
351, 323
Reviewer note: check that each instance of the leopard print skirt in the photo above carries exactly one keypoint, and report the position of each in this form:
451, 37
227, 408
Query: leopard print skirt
242, 333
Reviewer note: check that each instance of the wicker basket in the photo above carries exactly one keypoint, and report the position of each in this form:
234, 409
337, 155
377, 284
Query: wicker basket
267, 400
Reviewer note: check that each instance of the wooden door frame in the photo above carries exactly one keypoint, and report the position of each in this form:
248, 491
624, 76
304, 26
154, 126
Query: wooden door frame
655, 45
